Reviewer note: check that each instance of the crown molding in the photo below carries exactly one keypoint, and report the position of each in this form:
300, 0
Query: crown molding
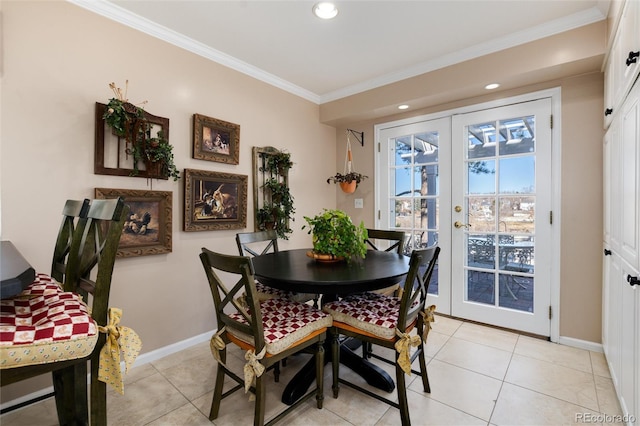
123, 16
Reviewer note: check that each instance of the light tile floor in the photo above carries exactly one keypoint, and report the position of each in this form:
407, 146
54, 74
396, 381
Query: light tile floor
479, 376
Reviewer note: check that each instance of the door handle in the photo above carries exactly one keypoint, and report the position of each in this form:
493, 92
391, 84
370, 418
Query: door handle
633, 280
459, 224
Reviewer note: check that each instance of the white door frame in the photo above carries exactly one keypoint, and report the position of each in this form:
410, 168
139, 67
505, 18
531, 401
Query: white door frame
556, 165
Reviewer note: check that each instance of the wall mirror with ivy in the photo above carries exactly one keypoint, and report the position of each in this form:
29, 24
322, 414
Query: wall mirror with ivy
272, 199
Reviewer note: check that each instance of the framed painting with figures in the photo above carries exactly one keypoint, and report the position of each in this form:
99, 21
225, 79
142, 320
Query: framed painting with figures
214, 200
215, 140
148, 228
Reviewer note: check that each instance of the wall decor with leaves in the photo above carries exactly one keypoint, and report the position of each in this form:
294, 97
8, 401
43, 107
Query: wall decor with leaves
272, 199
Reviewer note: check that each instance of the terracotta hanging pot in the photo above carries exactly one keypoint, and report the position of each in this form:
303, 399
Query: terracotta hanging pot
348, 187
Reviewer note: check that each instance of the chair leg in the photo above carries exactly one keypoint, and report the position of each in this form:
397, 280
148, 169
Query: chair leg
401, 388
320, 374
217, 392
423, 370
335, 361
258, 417
65, 395
98, 405
276, 372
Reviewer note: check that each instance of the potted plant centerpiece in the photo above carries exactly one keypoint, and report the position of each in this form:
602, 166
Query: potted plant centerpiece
128, 121
336, 237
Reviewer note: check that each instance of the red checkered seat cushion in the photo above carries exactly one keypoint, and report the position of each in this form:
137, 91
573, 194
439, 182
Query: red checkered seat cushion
44, 324
372, 312
284, 323
265, 292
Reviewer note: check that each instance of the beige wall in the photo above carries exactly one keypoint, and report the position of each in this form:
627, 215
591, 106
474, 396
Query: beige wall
58, 61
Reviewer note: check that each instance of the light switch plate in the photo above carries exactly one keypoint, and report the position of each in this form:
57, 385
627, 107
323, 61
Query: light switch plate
359, 203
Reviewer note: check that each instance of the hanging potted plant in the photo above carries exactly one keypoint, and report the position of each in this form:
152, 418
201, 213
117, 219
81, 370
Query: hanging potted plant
348, 180
157, 155
128, 121
336, 237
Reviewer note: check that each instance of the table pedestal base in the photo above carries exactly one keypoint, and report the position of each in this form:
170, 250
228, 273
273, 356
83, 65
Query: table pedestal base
374, 375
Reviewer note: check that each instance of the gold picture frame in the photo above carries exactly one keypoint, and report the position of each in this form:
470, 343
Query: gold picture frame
148, 229
214, 200
215, 140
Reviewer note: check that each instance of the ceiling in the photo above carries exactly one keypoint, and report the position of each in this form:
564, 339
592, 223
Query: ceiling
369, 44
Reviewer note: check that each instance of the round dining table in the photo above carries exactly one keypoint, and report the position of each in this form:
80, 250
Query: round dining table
294, 270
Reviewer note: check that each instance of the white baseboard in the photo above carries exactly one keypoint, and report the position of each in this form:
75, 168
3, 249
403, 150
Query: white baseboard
173, 348
581, 344
143, 359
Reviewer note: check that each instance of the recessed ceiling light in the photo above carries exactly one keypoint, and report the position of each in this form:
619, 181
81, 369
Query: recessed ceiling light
325, 10
403, 106
492, 86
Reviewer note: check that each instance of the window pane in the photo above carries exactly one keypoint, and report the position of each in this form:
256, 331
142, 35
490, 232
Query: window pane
482, 214
481, 251
425, 179
402, 182
517, 135
517, 214
480, 287
518, 175
482, 140
482, 177
402, 151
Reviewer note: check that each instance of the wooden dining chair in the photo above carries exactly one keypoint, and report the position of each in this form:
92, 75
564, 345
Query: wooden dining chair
263, 242
91, 254
72, 212
388, 321
386, 240
268, 330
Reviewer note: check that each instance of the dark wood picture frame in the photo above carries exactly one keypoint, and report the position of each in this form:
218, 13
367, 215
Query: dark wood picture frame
215, 140
214, 200
148, 229
110, 157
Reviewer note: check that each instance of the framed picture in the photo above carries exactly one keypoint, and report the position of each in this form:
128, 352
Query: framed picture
148, 228
215, 140
214, 200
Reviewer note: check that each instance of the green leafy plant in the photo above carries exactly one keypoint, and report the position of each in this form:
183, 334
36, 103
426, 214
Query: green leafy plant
279, 162
278, 213
156, 150
334, 233
128, 121
348, 177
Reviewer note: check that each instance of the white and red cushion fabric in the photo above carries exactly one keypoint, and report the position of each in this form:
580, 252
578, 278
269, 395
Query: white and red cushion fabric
265, 292
284, 323
44, 324
372, 312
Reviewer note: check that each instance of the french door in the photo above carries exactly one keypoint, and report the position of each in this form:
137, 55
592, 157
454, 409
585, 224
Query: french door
477, 184
501, 233
415, 166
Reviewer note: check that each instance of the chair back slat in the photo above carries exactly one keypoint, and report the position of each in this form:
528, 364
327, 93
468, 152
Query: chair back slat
227, 298
416, 286
74, 214
257, 243
394, 239
95, 247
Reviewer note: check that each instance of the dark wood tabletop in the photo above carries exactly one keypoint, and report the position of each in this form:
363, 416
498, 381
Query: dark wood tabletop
293, 270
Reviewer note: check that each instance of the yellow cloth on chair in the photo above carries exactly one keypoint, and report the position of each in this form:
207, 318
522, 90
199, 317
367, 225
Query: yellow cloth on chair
109, 370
